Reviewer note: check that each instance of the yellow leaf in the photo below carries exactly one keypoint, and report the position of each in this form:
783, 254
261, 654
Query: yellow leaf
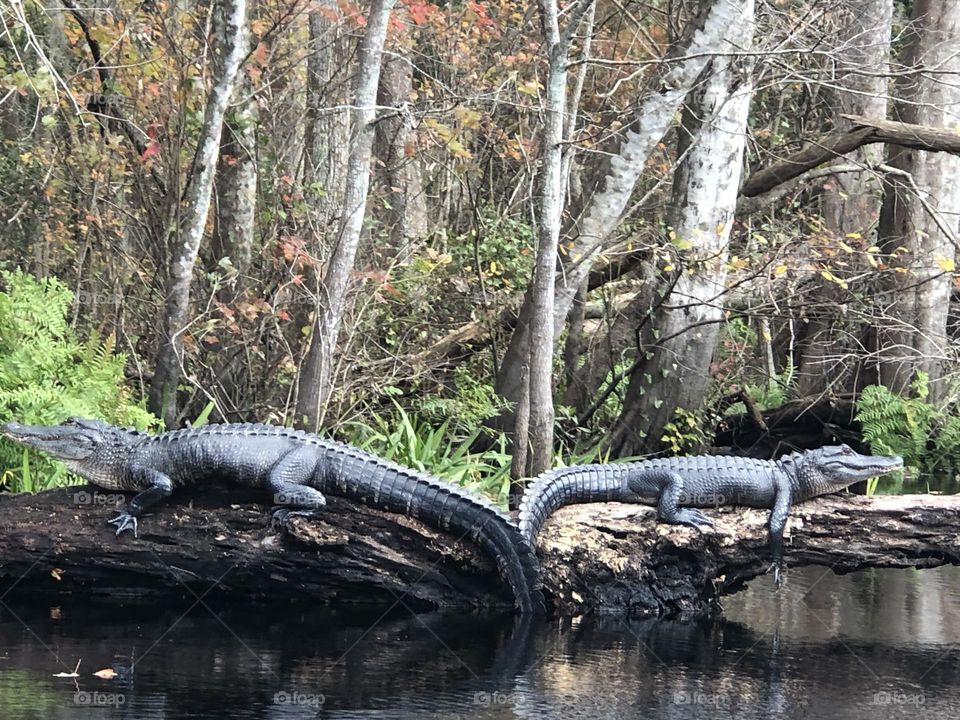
668, 268
854, 236
873, 249
530, 87
493, 266
946, 264
779, 269
467, 118
845, 247
827, 275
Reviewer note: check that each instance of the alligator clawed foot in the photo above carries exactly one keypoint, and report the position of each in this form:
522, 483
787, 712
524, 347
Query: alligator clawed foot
125, 521
694, 518
282, 515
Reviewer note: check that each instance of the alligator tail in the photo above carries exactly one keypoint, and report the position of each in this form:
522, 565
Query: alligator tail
567, 486
388, 486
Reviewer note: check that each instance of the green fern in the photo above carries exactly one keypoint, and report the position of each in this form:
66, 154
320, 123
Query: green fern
927, 436
48, 374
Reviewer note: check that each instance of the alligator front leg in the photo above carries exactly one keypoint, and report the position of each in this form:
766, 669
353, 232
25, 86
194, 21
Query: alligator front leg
778, 523
288, 481
156, 486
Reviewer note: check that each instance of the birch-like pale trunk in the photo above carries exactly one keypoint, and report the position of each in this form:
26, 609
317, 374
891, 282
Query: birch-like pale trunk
702, 210
316, 374
850, 201
919, 219
618, 177
229, 38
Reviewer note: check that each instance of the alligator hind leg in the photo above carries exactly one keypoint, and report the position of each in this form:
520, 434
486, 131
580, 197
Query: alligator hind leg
668, 504
287, 481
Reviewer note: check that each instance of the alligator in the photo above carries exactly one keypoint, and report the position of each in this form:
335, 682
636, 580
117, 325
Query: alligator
679, 485
295, 466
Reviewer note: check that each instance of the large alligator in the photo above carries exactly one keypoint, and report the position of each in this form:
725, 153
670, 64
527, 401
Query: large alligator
679, 485
295, 466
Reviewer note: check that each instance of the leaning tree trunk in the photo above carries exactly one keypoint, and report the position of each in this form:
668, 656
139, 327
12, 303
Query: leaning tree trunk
676, 368
851, 200
918, 223
316, 375
615, 181
230, 41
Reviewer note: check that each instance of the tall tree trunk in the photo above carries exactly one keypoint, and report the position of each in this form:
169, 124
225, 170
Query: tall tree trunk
676, 372
236, 183
327, 131
407, 212
316, 375
229, 38
617, 179
851, 201
918, 222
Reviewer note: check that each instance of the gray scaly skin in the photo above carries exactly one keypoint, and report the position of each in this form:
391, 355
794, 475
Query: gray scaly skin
679, 484
295, 466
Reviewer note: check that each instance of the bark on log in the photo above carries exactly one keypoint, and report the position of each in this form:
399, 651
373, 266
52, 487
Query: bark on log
217, 542
617, 557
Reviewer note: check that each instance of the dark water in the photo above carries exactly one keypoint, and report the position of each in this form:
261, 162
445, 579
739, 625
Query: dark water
874, 644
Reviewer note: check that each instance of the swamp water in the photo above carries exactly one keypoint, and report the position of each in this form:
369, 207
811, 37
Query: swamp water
873, 644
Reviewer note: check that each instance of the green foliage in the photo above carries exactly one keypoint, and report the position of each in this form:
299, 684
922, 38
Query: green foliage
473, 402
685, 433
441, 451
927, 436
47, 375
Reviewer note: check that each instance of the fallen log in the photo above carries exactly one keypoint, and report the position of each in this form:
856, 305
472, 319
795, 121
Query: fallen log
217, 543
219, 540
617, 557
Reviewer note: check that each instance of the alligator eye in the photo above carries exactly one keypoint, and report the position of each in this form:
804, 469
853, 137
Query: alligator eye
846, 450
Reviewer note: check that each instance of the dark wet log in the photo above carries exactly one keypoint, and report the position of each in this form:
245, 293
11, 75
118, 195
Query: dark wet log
800, 424
617, 557
56, 544
217, 545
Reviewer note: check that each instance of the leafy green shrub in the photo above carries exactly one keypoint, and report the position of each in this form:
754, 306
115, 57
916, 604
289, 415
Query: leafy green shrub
414, 442
47, 375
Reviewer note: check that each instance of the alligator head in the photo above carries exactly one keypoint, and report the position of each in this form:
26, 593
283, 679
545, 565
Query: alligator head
92, 449
834, 467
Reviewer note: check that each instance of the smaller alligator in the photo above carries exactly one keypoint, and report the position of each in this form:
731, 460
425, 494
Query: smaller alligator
295, 466
678, 485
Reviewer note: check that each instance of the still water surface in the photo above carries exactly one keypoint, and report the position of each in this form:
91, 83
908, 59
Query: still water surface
874, 644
